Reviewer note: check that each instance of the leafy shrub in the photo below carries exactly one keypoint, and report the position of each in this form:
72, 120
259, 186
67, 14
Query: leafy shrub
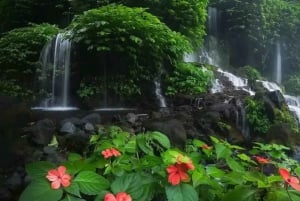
20, 50
284, 116
11, 88
138, 37
187, 17
292, 85
189, 79
250, 72
256, 115
146, 167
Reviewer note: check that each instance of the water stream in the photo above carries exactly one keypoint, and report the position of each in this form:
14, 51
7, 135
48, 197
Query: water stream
55, 77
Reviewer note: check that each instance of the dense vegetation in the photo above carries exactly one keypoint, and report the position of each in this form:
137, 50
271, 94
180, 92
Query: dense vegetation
254, 27
120, 48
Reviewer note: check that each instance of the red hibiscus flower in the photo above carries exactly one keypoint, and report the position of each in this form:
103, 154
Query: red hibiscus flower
262, 160
292, 181
108, 153
59, 177
178, 172
121, 196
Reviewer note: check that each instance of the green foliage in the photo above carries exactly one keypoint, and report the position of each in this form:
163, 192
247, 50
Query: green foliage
256, 116
292, 85
142, 40
118, 85
11, 88
189, 79
20, 50
185, 16
221, 171
256, 26
20, 13
250, 72
284, 116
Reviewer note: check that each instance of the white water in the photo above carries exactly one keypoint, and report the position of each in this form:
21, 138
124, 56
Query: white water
293, 102
270, 86
212, 21
55, 59
278, 64
158, 93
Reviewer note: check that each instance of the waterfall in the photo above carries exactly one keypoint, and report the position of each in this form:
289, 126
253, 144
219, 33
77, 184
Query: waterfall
237, 82
292, 102
55, 60
161, 99
270, 86
212, 21
278, 65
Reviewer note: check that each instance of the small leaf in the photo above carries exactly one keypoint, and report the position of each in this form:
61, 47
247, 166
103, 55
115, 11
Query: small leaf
91, 183
74, 157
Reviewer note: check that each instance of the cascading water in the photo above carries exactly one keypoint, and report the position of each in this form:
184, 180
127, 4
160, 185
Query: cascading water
278, 64
292, 101
161, 99
55, 59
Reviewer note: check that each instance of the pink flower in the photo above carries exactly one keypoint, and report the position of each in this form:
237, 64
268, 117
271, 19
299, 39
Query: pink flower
292, 181
121, 196
59, 177
262, 160
178, 172
108, 153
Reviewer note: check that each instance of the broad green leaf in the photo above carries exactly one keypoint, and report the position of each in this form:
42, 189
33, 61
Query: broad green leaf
234, 165
233, 178
73, 189
143, 145
181, 192
274, 178
40, 190
69, 197
246, 158
259, 178
297, 171
162, 139
282, 195
222, 151
197, 175
141, 187
214, 172
240, 193
74, 157
74, 166
39, 169
91, 183
130, 146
